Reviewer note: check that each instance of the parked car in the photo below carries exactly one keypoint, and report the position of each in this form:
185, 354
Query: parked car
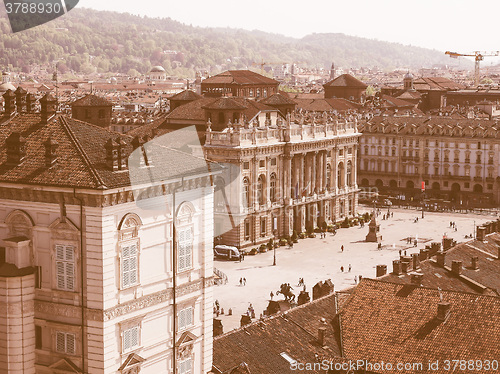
227, 252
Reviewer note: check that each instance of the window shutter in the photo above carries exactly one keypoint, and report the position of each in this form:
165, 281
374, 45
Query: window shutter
131, 338
60, 275
70, 343
60, 342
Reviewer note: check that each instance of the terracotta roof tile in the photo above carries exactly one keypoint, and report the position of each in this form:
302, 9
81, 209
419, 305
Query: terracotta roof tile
345, 80
394, 323
241, 77
91, 100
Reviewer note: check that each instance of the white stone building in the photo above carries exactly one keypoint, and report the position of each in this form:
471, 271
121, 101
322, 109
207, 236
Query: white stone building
87, 271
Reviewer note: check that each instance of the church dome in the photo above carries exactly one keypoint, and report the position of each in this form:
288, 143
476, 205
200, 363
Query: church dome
157, 69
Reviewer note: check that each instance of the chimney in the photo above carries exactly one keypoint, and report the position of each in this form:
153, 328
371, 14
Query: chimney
50, 151
381, 270
9, 99
443, 310
405, 266
30, 103
474, 261
423, 254
122, 154
111, 154
396, 267
480, 233
48, 107
415, 260
440, 257
21, 99
416, 278
321, 336
456, 267
16, 149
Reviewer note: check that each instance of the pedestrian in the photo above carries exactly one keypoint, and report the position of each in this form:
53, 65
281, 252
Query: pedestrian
405, 252
355, 279
342, 269
244, 281
349, 268
271, 294
342, 248
400, 253
241, 255
241, 281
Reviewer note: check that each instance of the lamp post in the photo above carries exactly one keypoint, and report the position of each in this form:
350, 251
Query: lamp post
274, 247
423, 198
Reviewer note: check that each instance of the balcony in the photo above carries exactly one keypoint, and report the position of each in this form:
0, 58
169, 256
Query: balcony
410, 159
478, 179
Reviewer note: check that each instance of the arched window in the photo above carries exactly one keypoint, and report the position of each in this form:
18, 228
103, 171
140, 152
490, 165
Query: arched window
129, 250
246, 193
349, 173
261, 189
272, 188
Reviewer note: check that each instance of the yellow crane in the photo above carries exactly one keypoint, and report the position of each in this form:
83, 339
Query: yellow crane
478, 56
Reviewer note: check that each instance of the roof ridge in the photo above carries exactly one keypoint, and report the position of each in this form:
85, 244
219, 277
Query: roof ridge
83, 154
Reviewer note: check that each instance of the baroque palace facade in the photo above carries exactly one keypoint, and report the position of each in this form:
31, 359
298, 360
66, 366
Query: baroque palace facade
456, 157
92, 278
284, 175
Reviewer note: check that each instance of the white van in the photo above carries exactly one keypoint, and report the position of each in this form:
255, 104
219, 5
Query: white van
226, 251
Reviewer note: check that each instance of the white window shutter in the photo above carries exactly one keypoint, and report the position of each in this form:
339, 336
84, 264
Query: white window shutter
70, 343
60, 342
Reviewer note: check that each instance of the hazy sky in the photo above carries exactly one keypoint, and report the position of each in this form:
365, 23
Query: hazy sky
456, 25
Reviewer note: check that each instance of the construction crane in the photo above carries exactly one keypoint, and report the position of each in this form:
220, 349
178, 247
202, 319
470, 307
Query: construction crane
478, 56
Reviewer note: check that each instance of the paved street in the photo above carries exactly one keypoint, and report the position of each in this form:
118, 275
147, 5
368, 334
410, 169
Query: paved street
318, 259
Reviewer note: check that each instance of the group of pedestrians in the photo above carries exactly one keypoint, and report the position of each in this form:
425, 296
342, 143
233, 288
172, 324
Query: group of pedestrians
243, 281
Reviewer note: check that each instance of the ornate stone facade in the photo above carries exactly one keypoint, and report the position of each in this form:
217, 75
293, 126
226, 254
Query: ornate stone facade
289, 175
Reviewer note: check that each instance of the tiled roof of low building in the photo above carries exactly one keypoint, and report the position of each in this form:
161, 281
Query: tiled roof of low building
323, 105
91, 100
277, 99
261, 344
345, 80
186, 95
241, 77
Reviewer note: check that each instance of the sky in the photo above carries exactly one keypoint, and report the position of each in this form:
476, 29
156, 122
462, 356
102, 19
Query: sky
456, 25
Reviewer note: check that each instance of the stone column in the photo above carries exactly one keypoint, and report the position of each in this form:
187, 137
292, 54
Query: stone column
313, 170
325, 170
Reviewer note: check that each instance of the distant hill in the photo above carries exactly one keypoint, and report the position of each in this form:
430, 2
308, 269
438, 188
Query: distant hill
90, 41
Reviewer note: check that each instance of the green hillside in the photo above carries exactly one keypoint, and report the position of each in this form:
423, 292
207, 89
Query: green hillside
90, 41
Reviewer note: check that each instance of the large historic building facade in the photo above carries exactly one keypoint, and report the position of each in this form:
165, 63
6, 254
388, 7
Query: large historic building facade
92, 278
456, 158
285, 175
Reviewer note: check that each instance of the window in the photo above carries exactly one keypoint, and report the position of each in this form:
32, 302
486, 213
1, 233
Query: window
262, 163
261, 190
272, 188
246, 165
185, 366
394, 151
341, 151
130, 338
184, 248
246, 192
65, 342
263, 226
349, 170
185, 318
247, 229
129, 262
101, 113
221, 117
273, 161
38, 277
65, 267
38, 337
